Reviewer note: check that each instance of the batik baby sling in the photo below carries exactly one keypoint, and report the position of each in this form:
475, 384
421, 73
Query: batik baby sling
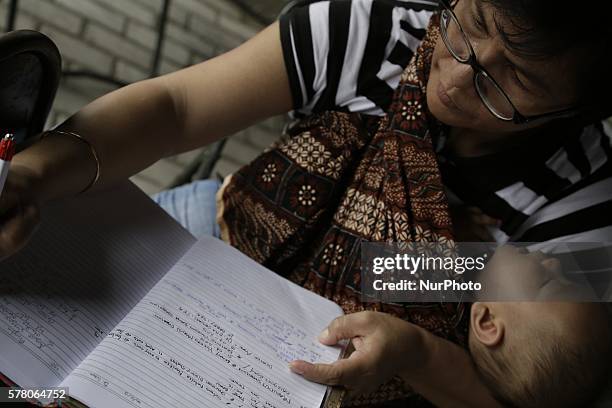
304, 206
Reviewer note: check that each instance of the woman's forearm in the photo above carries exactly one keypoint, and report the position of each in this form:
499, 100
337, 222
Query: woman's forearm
133, 127
130, 129
448, 378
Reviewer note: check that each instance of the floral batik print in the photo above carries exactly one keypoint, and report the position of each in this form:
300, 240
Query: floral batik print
304, 207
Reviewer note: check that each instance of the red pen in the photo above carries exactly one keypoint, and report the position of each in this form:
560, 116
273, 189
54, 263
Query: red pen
7, 150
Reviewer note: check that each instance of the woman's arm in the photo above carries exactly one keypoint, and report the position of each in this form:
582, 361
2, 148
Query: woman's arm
386, 346
135, 126
447, 376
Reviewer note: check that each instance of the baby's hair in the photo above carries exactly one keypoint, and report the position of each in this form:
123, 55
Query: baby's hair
539, 368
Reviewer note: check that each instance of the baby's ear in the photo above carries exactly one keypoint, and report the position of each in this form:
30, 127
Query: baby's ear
487, 327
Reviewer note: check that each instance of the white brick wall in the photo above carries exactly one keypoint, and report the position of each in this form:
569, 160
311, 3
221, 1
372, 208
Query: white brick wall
117, 38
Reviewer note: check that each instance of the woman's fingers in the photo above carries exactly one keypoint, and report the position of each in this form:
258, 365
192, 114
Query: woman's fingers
375, 358
16, 226
357, 374
357, 342
19, 210
347, 327
8, 201
342, 372
329, 374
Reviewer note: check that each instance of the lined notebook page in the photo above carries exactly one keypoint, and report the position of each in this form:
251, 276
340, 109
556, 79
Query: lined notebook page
217, 331
91, 260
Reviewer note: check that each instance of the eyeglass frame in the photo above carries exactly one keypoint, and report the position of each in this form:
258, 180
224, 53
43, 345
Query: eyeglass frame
478, 69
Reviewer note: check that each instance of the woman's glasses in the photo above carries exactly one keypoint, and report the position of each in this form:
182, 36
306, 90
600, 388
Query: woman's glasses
489, 91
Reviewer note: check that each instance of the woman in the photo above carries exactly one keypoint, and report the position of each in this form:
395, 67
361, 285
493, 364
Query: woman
564, 167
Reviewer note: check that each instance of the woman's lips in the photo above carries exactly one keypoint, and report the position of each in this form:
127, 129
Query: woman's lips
445, 99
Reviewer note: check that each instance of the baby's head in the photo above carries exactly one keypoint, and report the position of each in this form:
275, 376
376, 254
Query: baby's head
540, 354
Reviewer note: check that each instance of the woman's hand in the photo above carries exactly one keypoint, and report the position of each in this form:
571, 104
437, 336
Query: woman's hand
385, 346
470, 224
19, 210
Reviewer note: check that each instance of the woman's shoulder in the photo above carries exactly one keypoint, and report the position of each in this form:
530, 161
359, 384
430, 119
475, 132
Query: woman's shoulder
349, 55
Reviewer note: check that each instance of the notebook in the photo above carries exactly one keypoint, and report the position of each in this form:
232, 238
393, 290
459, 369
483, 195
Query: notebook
116, 301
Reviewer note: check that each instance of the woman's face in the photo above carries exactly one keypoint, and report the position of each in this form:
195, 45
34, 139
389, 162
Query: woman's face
534, 85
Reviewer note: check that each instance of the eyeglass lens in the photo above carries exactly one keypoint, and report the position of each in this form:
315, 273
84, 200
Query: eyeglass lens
457, 44
454, 38
493, 97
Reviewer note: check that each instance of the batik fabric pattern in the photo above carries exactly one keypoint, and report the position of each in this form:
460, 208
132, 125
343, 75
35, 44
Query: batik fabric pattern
305, 205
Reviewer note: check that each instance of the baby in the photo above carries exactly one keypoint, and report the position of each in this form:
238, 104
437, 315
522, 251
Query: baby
525, 354
538, 354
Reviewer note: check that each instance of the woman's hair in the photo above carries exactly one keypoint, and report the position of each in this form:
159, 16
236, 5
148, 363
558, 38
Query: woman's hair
541, 29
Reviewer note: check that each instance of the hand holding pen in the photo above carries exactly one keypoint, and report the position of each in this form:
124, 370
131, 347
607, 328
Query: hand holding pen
19, 210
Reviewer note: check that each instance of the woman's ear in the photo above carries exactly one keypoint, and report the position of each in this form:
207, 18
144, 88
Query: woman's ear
487, 327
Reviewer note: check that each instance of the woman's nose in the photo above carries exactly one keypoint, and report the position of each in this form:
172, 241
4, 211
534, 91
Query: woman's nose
460, 75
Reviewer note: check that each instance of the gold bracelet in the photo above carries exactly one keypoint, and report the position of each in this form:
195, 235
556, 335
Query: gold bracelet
94, 153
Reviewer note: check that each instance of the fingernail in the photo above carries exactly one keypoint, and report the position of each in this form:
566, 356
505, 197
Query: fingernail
293, 366
357, 342
324, 335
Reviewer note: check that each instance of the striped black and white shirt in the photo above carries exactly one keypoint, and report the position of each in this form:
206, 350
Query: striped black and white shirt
556, 192
348, 55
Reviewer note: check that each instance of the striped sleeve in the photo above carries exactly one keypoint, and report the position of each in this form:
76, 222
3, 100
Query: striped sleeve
581, 208
348, 55
560, 197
